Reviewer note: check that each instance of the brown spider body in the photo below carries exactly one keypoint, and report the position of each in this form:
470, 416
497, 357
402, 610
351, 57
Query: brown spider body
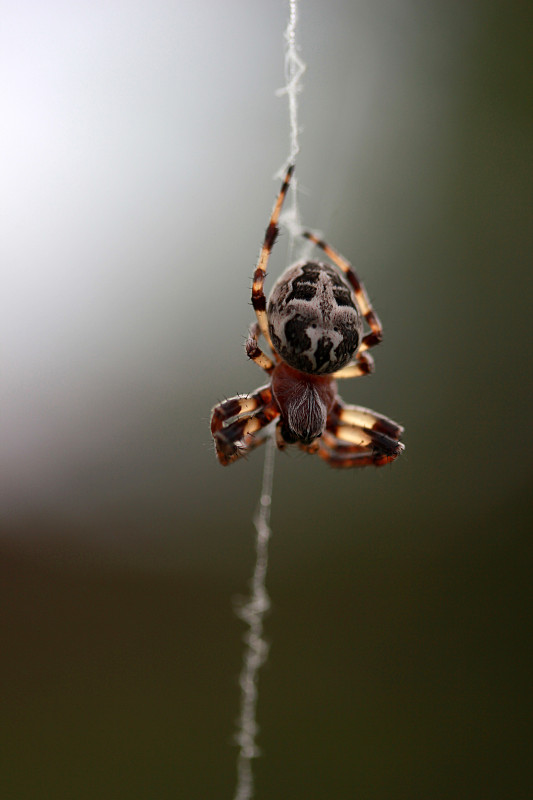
304, 402
314, 326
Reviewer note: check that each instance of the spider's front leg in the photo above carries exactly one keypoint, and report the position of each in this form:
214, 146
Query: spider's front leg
358, 437
345, 415
237, 424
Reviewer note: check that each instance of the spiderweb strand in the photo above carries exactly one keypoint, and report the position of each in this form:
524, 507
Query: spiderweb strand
256, 648
254, 610
294, 69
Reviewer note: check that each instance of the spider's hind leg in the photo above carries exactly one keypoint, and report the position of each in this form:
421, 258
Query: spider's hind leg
254, 352
363, 301
238, 424
271, 233
363, 365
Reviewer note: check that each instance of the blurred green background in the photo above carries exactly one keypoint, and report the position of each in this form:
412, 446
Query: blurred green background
139, 143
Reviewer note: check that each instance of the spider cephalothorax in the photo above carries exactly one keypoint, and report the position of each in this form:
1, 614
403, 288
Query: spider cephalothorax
314, 326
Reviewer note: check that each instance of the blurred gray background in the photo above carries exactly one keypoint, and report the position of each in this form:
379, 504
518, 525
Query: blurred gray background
139, 144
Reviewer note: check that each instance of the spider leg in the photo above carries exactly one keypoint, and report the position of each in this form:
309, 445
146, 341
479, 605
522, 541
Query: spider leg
254, 352
363, 301
280, 441
348, 415
342, 456
258, 295
358, 437
339, 453
236, 424
363, 365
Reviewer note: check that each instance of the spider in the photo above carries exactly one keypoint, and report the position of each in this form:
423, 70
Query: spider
314, 326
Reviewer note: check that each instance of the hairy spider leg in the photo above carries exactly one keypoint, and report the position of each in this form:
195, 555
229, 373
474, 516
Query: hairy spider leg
254, 352
337, 452
363, 301
280, 441
236, 423
258, 295
358, 437
345, 414
363, 365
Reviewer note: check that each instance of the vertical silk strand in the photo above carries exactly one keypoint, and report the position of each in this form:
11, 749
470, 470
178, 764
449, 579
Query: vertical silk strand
256, 649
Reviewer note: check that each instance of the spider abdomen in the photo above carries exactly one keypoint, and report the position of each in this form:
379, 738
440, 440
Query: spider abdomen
304, 402
313, 318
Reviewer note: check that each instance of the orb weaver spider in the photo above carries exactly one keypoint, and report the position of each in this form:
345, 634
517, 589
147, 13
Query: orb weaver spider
313, 325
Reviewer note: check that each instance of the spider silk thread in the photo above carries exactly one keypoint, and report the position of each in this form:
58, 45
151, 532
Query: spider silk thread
256, 649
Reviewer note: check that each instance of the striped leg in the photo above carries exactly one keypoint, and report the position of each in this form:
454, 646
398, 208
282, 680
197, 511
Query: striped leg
254, 352
343, 456
363, 365
258, 295
237, 423
359, 437
376, 334
280, 441
346, 415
